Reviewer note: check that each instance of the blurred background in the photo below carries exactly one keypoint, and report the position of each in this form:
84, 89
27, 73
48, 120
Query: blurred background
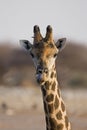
20, 96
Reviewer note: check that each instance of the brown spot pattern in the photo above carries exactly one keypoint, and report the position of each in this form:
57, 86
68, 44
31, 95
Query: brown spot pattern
56, 103
47, 85
53, 86
50, 98
50, 108
53, 123
52, 75
62, 106
59, 115
60, 127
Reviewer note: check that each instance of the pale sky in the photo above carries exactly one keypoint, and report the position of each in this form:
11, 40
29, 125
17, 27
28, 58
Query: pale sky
67, 17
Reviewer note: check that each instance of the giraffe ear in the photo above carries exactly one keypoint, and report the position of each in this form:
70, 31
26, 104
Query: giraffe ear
26, 44
60, 44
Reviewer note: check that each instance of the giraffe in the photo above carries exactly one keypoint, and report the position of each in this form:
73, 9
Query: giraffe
44, 52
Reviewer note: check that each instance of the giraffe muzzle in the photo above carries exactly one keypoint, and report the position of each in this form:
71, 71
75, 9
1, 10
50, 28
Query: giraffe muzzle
41, 70
40, 74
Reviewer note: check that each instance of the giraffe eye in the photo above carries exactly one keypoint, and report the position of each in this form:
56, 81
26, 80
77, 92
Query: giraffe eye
55, 55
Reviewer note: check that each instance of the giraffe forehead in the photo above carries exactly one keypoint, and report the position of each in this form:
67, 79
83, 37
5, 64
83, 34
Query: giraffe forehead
45, 48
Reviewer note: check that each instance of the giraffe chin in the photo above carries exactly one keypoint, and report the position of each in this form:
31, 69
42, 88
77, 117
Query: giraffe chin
40, 78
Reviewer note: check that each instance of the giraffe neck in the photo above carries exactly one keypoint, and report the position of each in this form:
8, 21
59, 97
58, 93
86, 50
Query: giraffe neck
55, 113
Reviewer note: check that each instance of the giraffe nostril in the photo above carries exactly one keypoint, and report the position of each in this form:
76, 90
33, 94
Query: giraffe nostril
40, 71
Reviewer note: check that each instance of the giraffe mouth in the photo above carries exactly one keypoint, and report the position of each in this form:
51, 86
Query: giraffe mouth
39, 78
41, 74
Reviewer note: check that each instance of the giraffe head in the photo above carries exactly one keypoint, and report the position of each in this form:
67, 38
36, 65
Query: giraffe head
43, 51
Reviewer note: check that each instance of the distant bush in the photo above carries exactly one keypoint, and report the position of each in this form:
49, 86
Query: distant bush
72, 60
79, 80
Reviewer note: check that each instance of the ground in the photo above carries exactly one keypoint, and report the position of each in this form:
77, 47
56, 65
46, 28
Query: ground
22, 109
34, 120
